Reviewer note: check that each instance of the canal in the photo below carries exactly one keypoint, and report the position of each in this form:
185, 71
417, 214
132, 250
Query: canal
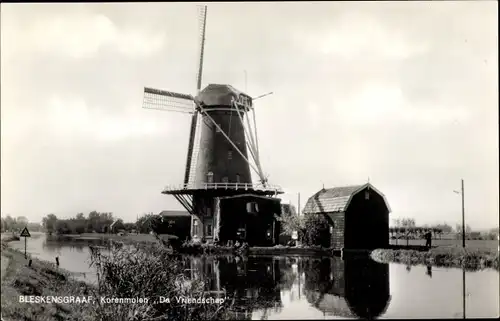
271, 287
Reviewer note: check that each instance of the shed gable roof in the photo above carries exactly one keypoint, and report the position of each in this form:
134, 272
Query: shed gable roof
336, 199
117, 221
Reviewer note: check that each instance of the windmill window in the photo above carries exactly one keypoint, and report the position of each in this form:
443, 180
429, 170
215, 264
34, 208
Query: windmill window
237, 178
209, 211
367, 195
230, 154
225, 179
209, 230
210, 177
252, 207
195, 228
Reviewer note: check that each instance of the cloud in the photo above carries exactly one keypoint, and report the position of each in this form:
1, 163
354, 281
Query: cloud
73, 116
77, 35
360, 34
377, 104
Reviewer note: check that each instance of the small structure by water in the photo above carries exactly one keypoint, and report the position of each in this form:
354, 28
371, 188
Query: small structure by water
116, 226
358, 216
176, 223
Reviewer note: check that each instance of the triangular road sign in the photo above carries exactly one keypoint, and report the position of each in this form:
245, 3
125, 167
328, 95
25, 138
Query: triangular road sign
25, 233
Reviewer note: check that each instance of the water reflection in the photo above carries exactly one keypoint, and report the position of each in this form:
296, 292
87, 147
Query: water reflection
250, 283
429, 271
356, 288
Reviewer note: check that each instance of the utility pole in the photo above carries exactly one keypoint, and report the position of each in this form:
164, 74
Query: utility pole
464, 294
298, 204
462, 191
463, 215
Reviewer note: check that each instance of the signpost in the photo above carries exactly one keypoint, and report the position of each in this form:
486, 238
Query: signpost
25, 233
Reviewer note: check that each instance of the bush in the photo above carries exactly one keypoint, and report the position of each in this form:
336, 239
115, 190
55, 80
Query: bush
148, 272
315, 226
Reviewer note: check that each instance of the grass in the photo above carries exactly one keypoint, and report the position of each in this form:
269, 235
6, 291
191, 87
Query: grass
41, 279
150, 272
447, 256
471, 244
144, 270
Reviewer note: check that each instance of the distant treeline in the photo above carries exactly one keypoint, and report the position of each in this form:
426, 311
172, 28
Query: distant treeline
11, 224
96, 222
407, 227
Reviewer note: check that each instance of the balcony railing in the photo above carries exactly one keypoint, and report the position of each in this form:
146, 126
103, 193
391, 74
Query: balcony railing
228, 186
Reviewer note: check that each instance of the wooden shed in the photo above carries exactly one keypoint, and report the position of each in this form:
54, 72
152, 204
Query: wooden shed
249, 218
358, 216
176, 223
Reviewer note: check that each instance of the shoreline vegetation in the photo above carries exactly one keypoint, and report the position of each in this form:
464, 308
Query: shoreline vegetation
451, 257
144, 271
42, 279
148, 269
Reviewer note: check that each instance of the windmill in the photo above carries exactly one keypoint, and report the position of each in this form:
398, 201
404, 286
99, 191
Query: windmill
223, 144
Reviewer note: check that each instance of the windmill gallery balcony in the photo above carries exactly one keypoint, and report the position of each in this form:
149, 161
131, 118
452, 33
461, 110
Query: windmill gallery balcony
191, 188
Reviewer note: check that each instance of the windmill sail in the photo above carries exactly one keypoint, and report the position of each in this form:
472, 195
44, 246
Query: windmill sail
193, 147
167, 100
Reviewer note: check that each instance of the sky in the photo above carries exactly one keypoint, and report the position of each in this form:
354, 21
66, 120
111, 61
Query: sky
404, 94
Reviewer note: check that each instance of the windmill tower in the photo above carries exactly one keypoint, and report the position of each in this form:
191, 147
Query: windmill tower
223, 146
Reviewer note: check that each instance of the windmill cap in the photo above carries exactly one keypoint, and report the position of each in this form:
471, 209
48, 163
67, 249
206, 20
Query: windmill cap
222, 95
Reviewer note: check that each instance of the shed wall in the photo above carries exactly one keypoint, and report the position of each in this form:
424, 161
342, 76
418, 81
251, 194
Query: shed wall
337, 220
367, 222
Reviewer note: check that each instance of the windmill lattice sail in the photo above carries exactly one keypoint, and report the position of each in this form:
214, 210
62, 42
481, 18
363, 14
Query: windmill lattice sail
167, 100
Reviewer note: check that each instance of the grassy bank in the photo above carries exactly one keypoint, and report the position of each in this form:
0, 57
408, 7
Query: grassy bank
143, 271
9, 237
41, 279
470, 244
470, 259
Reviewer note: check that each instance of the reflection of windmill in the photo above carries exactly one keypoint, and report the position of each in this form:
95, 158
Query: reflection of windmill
223, 145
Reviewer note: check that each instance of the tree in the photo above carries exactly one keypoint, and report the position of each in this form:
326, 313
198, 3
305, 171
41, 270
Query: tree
129, 226
445, 228
291, 223
408, 222
22, 221
62, 227
314, 228
148, 222
458, 229
34, 227
10, 223
49, 223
